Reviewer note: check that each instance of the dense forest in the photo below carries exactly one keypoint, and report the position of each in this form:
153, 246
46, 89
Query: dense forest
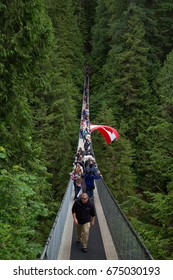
44, 46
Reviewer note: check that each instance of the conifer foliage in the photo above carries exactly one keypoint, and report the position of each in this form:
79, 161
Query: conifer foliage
43, 46
135, 84
41, 70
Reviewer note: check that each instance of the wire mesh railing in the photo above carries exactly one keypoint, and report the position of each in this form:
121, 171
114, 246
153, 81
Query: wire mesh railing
52, 247
128, 244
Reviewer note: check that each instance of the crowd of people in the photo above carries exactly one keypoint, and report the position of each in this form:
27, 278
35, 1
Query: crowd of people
84, 173
85, 169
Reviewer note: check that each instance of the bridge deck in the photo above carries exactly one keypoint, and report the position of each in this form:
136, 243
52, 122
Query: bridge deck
100, 245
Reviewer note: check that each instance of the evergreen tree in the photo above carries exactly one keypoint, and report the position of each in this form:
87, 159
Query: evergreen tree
61, 127
100, 48
160, 133
160, 27
79, 10
85, 11
100, 41
160, 151
26, 38
153, 219
127, 90
142, 111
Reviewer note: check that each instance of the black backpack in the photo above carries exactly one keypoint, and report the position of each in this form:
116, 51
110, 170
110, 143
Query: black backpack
86, 145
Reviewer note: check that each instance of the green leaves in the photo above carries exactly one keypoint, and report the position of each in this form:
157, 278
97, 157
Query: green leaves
20, 208
136, 40
3, 154
25, 42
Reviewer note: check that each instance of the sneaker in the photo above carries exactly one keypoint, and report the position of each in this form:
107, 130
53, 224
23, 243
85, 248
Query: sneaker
84, 250
77, 242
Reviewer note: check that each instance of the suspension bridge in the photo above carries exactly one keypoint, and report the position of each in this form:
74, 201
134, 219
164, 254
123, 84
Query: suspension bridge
111, 238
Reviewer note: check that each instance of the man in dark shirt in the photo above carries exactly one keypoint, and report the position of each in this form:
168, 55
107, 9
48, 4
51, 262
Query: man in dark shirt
83, 212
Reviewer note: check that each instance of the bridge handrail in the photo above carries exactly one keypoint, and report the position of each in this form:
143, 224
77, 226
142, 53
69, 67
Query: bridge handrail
53, 243
127, 242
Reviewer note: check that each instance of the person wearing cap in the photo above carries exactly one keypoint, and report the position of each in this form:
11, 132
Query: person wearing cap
83, 211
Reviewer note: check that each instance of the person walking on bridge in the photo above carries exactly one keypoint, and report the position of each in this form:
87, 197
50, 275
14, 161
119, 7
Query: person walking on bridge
90, 176
83, 211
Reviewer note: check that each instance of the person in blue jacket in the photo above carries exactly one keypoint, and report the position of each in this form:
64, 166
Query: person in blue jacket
89, 181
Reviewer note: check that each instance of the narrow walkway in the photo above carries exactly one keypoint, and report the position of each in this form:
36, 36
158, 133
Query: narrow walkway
100, 245
95, 246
